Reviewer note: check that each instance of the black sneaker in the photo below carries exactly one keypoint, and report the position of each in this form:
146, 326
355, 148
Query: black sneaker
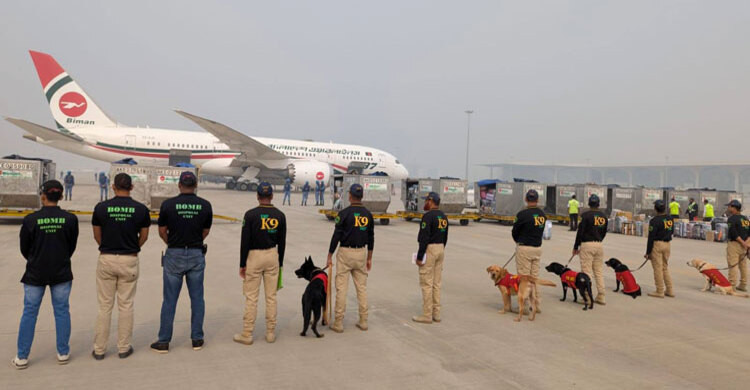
124, 355
197, 345
160, 347
97, 357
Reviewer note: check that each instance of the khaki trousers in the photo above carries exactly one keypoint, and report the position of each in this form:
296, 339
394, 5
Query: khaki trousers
660, 261
527, 263
354, 261
737, 263
592, 264
116, 275
261, 265
430, 280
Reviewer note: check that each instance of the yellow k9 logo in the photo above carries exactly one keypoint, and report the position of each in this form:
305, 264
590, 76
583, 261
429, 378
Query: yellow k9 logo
442, 223
361, 221
668, 224
538, 221
269, 224
745, 223
600, 221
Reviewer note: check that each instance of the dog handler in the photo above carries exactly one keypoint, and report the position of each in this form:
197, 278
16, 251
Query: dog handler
588, 245
354, 231
737, 246
433, 236
528, 229
48, 239
120, 228
658, 249
261, 258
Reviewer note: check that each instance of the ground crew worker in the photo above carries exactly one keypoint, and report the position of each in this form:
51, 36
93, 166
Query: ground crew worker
317, 193
737, 245
588, 245
658, 249
674, 209
708, 211
573, 205
322, 193
692, 209
69, 181
184, 223
528, 229
287, 192
261, 258
355, 231
48, 239
103, 187
305, 193
432, 238
120, 228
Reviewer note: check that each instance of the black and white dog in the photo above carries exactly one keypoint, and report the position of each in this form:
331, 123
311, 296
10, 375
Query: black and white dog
314, 298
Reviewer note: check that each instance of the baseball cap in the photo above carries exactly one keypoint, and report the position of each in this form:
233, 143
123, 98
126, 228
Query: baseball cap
735, 203
265, 189
594, 200
188, 179
51, 186
433, 196
659, 204
532, 196
356, 190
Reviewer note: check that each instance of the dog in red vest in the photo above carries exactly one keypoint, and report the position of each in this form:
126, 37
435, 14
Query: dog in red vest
714, 277
576, 281
624, 276
314, 297
509, 284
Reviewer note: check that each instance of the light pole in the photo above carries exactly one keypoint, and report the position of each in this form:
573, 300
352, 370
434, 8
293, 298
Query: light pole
468, 132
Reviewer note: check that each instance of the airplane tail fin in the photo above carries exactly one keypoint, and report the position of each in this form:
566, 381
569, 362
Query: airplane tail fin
70, 105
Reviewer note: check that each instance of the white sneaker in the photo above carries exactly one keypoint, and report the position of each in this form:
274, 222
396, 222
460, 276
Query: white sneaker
19, 364
63, 359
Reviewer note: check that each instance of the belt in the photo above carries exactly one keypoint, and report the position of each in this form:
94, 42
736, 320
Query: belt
530, 246
592, 241
353, 247
262, 249
120, 254
185, 247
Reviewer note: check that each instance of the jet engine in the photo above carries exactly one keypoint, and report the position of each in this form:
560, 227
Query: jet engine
309, 171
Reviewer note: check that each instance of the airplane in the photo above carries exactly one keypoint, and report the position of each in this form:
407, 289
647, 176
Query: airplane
83, 128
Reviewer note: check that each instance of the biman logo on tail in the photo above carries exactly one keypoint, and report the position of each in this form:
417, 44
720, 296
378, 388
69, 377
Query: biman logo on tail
72, 104
50, 225
361, 222
120, 214
188, 210
268, 224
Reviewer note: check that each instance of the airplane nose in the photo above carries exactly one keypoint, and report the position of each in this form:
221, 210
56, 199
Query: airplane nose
402, 172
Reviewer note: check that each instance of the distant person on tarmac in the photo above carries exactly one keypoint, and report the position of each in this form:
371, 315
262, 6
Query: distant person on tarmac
573, 205
103, 187
322, 193
317, 192
287, 192
674, 209
708, 211
692, 210
305, 193
48, 239
69, 181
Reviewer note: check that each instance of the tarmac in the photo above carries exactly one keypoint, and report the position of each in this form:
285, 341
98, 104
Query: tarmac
698, 340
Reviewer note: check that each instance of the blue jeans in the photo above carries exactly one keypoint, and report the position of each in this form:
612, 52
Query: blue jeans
103, 193
32, 300
190, 264
68, 192
287, 198
304, 198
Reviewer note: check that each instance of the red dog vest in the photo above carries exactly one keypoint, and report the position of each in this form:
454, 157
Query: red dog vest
509, 281
322, 276
569, 278
716, 277
628, 281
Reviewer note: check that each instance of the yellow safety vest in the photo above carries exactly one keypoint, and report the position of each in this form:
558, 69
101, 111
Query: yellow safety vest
573, 206
674, 208
708, 211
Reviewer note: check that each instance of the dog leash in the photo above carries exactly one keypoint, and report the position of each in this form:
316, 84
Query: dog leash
511, 258
569, 260
642, 264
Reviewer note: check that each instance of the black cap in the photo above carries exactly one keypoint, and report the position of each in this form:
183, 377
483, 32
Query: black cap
52, 186
659, 205
357, 191
265, 189
188, 179
735, 203
532, 196
433, 196
594, 200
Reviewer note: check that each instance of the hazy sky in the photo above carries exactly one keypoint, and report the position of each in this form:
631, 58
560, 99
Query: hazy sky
550, 81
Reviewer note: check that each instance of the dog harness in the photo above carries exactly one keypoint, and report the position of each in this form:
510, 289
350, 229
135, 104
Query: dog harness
569, 277
716, 277
322, 276
628, 281
509, 281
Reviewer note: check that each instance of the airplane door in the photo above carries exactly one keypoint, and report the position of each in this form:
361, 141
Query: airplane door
382, 162
130, 142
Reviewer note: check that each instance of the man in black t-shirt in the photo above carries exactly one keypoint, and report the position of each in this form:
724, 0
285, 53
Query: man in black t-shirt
432, 237
659, 248
184, 222
528, 229
737, 245
120, 228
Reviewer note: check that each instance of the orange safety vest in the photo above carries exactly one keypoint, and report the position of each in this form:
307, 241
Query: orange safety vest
628, 281
716, 277
509, 281
569, 278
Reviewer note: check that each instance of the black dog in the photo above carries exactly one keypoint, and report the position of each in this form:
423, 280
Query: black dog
574, 280
314, 298
623, 274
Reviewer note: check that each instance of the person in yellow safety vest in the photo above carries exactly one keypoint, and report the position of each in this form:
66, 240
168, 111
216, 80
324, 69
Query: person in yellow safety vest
674, 209
573, 212
708, 211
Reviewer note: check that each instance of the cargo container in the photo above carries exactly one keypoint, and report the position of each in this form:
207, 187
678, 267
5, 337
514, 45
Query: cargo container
151, 184
621, 198
20, 180
452, 193
724, 197
682, 197
645, 198
505, 199
559, 195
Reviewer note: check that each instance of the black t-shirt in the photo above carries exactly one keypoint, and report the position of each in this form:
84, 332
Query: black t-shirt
660, 228
185, 216
432, 230
48, 239
739, 226
354, 229
121, 219
593, 227
263, 227
528, 227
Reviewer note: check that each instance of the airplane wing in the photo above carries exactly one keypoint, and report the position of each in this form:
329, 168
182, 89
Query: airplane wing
251, 149
44, 133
